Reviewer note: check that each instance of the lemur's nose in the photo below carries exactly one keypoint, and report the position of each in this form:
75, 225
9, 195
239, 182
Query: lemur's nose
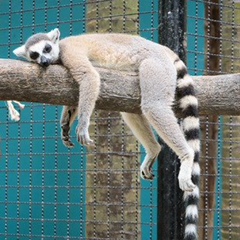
45, 62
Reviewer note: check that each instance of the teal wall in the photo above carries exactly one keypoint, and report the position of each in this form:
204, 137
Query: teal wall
196, 37
41, 182
149, 21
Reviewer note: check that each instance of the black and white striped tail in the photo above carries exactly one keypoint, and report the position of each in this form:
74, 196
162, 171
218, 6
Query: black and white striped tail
189, 105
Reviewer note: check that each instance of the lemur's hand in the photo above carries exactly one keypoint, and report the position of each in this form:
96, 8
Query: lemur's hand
65, 136
83, 137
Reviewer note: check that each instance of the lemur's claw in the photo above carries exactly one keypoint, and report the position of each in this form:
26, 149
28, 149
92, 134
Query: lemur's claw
68, 144
84, 140
147, 174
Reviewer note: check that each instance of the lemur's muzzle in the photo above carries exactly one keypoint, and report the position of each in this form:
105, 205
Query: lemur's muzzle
45, 62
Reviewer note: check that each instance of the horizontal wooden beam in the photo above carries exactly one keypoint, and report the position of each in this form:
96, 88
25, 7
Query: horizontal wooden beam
28, 82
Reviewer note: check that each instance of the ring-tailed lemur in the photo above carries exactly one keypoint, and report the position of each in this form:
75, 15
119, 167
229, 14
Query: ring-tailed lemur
161, 75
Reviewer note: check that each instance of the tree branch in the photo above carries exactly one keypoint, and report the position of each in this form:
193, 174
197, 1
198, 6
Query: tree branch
23, 81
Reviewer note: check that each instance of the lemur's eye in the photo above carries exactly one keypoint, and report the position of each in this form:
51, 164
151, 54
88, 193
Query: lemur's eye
47, 48
34, 55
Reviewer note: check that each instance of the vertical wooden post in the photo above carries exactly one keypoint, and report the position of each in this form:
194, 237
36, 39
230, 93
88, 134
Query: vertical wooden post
113, 209
209, 128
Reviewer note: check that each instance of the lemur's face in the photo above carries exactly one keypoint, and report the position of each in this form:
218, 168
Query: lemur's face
41, 48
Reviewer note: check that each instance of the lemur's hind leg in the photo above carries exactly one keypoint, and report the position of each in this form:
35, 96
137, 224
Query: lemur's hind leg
69, 114
143, 132
158, 84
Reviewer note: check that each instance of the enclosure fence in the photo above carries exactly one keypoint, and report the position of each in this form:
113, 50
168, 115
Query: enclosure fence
50, 192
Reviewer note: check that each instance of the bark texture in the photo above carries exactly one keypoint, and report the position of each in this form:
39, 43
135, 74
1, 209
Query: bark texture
218, 95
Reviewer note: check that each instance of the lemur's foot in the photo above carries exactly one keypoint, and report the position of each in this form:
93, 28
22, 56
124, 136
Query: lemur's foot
146, 173
186, 185
184, 176
146, 167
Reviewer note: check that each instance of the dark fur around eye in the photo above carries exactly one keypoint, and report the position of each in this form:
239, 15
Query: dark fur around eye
47, 48
34, 55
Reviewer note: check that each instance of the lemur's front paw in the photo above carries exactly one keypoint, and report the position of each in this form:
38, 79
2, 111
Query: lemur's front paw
83, 138
65, 136
184, 177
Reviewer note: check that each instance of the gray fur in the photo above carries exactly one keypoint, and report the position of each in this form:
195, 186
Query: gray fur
35, 39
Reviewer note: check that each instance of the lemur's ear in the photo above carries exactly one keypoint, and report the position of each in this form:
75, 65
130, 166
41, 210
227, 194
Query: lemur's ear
54, 35
20, 51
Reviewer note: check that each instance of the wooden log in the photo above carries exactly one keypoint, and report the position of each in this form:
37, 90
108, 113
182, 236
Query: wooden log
28, 82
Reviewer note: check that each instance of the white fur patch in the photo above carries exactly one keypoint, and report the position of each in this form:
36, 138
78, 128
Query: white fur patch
179, 65
187, 101
190, 123
194, 193
38, 47
185, 82
194, 144
196, 170
192, 211
190, 228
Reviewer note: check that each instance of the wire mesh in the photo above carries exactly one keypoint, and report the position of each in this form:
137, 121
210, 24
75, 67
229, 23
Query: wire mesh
216, 50
43, 184
50, 192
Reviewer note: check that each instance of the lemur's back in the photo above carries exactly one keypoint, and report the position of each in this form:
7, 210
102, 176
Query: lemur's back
119, 51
